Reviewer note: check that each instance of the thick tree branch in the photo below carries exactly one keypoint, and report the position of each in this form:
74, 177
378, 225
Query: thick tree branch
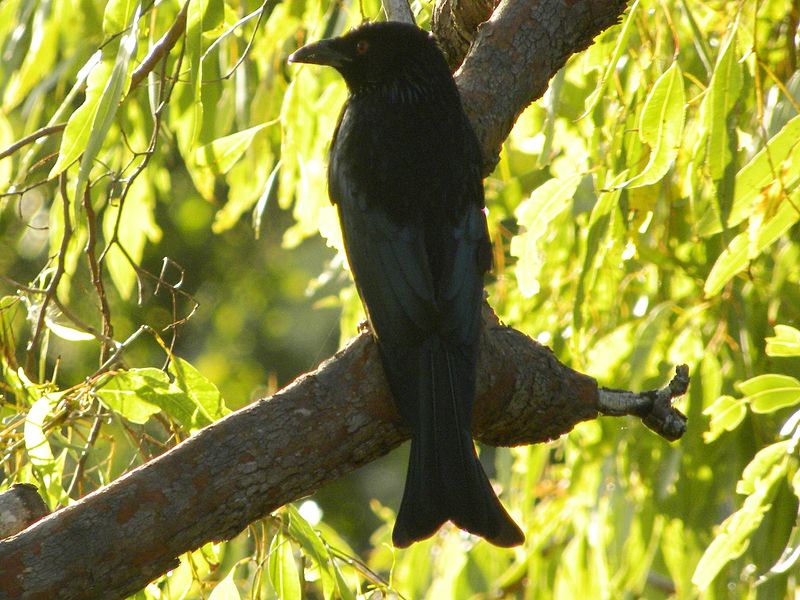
514, 55
277, 450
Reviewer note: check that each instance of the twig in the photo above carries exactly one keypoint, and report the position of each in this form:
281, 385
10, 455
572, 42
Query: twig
52, 287
44, 131
398, 10
93, 434
161, 48
96, 272
654, 407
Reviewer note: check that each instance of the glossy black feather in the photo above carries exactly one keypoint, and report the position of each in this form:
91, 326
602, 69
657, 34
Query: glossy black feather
404, 174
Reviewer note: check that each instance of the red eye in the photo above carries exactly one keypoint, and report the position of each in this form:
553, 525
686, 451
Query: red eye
361, 47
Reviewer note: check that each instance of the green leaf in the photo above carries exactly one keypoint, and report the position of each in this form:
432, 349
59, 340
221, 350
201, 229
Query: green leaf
599, 242
622, 42
534, 215
116, 86
780, 157
202, 16
132, 393
333, 584
785, 342
79, 125
735, 258
735, 532
67, 333
137, 225
269, 194
201, 392
770, 392
6, 139
721, 97
661, 125
36, 444
726, 414
221, 154
117, 15
136, 394
39, 57
283, 572
226, 589
762, 468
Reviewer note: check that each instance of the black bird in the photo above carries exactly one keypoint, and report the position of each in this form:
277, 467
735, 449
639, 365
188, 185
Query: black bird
405, 175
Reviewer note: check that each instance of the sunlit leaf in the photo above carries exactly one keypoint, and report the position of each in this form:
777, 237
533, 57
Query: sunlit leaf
770, 392
221, 154
68, 333
226, 589
131, 393
534, 215
779, 158
734, 259
723, 92
661, 125
333, 584
735, 532
36, 444
137, 224
117, 15
39, 57
79, 125
118, 82
765, 466
785, 342
6, 139
726, 415
622, 41
283, 572
201, 391
270, 193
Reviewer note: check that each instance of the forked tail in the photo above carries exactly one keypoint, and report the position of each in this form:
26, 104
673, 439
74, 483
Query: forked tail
445, 479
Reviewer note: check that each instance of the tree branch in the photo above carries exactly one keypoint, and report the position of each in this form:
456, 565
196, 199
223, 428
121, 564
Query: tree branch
514, 55
275, 451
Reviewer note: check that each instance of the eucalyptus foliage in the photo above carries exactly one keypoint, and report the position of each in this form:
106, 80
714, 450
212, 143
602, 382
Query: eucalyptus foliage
644, 214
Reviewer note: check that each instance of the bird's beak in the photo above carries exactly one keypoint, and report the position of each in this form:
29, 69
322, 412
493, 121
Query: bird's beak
324, 52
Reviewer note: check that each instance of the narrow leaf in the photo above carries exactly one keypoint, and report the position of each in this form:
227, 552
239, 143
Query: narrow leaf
622, 42
221, 154
735, 532
534, 215
226, 589
723, 92
283, 572
116, 85
735, 258
779, 158
117, 15
661, 125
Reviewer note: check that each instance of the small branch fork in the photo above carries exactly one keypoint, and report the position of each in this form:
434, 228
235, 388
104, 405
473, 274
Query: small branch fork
654, 407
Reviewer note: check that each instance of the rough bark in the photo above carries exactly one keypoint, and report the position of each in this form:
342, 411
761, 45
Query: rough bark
277, 450
19, 507
514, 55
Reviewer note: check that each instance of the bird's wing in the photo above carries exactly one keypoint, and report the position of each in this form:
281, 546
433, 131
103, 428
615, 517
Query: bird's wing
390, 265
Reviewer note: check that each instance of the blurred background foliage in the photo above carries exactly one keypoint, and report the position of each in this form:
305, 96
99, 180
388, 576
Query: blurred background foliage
162, 181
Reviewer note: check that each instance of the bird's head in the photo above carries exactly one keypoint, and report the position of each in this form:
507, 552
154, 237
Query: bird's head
386, 55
